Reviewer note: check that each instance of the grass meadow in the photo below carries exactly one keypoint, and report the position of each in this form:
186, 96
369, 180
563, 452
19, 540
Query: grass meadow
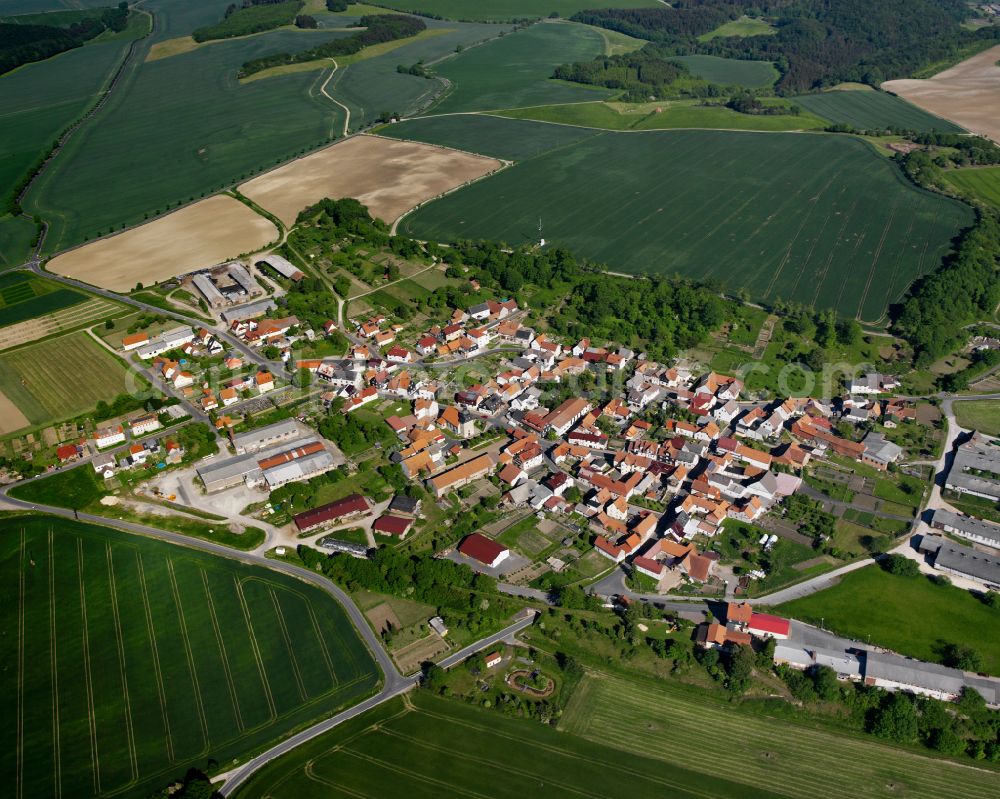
506, 10
981, 415
981, 183
62, 377
129, 660
744, 26
866, 110
673, 115
420, 746
730, 71
818, 219
910, 615
516, 70
689, 730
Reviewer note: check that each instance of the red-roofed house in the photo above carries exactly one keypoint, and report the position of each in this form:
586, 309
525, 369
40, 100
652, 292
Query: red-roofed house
392, 525
334, 511
764, 625
485, 550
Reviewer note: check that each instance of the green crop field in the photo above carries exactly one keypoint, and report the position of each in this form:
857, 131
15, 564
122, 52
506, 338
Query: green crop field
425, 747
40, 6
16, 236
517, 69
982, 183
684, 729
39, 100
866, 110
481, 134
665, 116
373, 85
128, 661
23, 296
730, 71
819, 219
190, 112
58, 378
910, 615
507, 10
745, 26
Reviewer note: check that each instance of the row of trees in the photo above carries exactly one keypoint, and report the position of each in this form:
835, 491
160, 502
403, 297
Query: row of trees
378, 28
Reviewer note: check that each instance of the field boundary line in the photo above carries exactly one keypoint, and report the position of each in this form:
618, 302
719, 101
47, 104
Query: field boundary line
19, 770
310, 772
288, 645
440, 784
562, 752
230, 685
256, 649
157, 671
186, 640
54, 667
95, 759
507, 767
120, 643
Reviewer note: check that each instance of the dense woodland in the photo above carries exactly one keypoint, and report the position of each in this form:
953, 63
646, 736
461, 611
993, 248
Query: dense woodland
251, 16
817, 42
22, 44
641, 75
965, 289
378, 28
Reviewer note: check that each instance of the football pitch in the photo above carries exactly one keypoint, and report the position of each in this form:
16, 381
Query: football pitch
791, 759
420, 746
128, 661
818, 219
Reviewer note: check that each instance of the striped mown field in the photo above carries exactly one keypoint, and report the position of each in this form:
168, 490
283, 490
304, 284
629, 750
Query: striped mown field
423, 747
128, 661
60, 377
791, 759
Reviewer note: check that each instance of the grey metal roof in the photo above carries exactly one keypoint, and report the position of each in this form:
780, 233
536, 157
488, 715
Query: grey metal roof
915, 673
967, 525
280, 265
299, 468
240, 275
208, 289
249, 310
968, 561
262, 436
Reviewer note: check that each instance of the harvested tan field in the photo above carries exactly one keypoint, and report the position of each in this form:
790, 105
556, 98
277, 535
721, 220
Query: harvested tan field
199, 235
11, 418
390, 177
967, 94
74, 316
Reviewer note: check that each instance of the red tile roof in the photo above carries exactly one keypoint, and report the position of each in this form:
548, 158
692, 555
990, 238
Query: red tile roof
331, 511
393, 525
481, 548
770, 624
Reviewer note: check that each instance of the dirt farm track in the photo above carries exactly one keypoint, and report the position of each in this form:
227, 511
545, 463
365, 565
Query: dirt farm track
388, 176
967, 94
194, 237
